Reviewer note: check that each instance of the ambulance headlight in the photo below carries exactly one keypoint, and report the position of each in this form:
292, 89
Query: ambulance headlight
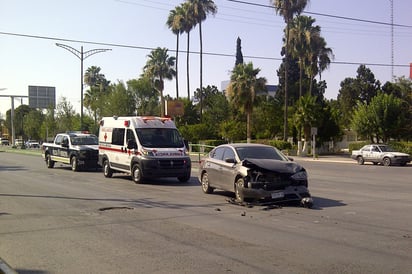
146, 152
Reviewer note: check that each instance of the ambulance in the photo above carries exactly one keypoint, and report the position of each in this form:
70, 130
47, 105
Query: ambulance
143, 147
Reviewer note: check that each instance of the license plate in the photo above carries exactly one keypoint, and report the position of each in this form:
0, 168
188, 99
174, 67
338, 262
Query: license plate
277, 195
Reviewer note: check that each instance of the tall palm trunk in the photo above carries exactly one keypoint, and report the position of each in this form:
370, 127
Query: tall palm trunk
285, 122
176, 68
201, 70
187, 66
248, 129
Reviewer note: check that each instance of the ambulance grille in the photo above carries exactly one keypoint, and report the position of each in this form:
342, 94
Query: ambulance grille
171, 163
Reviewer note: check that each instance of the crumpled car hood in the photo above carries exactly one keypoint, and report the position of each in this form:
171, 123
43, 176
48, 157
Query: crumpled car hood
284, 167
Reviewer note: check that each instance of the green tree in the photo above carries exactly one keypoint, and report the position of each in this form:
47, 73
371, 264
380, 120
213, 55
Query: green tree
306, 115
353, 90
239, 55
120, 101
145, 96
215, 108
242, 90
66, 118
266, 122
98, 85
201, 9
379, 120
287, 9
160, 66
32, 124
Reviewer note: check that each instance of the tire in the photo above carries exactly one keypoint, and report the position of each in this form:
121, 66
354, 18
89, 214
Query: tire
107, 171
74, 163
386, 161
137, 176
205, 184
238, 185
184, 178
49, 161
361, 161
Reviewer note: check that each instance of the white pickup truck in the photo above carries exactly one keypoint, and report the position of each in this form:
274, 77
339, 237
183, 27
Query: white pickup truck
380, 154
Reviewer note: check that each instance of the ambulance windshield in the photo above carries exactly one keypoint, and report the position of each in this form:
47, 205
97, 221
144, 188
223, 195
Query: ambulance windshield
160, 137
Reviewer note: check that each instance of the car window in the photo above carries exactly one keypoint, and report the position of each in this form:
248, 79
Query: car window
218, 153
228, 154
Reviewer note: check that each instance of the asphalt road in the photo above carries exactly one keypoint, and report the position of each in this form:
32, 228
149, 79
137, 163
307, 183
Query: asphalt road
59, 221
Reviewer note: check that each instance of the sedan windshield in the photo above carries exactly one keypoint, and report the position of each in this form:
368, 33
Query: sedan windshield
260, 153
386, 149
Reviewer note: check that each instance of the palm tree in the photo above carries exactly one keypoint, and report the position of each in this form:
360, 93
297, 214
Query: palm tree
242, 90
174, 22
158, 67
319, 57
92, 76
187, 25
97, 86
287, 9
201, 8
302, 32
306, 115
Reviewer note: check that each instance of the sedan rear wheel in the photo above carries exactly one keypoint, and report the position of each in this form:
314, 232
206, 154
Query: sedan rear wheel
361, 161
386, 161
238, 186
205, 184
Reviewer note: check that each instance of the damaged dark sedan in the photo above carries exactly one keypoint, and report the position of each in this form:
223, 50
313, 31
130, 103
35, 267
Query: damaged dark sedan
254, 172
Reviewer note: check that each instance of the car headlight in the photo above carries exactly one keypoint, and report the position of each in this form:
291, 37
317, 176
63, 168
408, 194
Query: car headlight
301, 175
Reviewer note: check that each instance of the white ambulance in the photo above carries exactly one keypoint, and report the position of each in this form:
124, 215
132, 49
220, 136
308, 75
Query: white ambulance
144, 147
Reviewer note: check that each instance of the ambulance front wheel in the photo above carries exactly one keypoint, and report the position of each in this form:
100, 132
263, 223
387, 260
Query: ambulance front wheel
107, 171
137, 174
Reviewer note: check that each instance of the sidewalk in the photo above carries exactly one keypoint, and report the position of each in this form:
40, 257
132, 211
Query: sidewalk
338, 158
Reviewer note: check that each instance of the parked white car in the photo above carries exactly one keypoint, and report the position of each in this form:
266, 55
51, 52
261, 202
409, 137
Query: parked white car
380, 154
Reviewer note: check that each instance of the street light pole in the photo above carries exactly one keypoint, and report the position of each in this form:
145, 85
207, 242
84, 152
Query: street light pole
81, 55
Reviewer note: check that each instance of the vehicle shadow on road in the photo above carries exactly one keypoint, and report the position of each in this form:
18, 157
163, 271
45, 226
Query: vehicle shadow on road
320, 203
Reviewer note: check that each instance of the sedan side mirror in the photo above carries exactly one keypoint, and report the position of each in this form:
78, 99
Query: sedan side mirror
230, 160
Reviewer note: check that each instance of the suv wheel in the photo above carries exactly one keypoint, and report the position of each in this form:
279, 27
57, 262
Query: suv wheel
49, 161
74, 163
361, 161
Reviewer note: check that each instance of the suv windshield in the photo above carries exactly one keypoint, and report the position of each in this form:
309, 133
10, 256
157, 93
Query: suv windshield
159, 137
84, 140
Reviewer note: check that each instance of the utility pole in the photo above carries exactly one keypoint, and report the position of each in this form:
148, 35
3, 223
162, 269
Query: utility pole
13, 132
81, 55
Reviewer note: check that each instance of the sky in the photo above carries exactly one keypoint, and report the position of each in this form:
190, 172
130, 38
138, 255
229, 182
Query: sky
358, 32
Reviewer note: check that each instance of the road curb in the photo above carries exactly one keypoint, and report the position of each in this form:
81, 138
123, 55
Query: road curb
5, 268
